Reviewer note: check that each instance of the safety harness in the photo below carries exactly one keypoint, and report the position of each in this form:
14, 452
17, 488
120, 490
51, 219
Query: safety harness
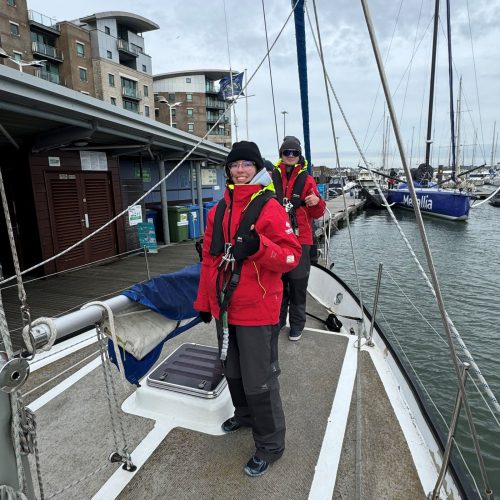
229, 270
294, 202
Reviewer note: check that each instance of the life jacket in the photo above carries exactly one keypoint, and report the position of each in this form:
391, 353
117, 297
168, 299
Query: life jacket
218, 245
295, 201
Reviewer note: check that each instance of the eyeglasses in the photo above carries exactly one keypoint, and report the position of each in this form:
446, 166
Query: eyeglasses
241, 163
291, 152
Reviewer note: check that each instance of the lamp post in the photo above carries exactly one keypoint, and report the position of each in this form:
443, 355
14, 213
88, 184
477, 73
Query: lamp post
170, 106
162, 99
284, 113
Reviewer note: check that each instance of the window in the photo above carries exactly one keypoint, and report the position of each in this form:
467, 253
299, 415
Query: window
111, 79
189, 111
174, 125
14, 28
174, 112
189, 97
157, 112
131, 106
83, 74
188, 80
12, 3
107, 30
109, 54
113, 101
80, 49
146, 110
144, 68
146, 91
18, 56
190, 127
171, 97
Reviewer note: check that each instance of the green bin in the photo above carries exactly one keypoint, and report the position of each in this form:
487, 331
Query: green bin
178, 223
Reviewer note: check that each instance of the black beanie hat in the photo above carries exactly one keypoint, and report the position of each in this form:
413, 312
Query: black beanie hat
290, 142
245, 150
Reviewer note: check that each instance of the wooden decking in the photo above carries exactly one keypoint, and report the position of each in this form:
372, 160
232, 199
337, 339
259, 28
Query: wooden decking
57, 295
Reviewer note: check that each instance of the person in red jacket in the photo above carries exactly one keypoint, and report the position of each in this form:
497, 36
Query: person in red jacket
298, 192
248, 321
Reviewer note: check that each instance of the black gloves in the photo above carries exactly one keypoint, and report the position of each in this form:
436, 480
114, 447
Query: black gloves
246, 245
206, 317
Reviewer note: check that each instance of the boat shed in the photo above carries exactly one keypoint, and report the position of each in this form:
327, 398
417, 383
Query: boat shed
71, 162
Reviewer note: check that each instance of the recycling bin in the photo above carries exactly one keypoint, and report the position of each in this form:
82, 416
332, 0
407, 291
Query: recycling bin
178, 223
207, 205
193, 222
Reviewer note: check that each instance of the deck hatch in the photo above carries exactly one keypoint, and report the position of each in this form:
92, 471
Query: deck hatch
191, 369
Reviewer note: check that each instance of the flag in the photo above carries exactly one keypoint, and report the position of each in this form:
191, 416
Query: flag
225, 88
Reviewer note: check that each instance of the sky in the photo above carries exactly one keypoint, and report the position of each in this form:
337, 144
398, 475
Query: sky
218, 34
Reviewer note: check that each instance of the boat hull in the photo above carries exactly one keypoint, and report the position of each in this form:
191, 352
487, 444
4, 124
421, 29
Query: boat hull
452, 205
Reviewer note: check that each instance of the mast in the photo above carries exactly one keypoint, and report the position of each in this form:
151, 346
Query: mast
450, 78
300, 39
459, 108
493, 144
428, 141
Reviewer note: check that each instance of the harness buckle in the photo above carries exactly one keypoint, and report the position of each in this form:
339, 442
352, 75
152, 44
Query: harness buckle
287, 204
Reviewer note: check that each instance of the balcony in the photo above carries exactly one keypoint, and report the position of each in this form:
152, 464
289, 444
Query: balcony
126, 48
211, 89
46, 51
131, 93
48, 76
214, 103
212, 118
43, 22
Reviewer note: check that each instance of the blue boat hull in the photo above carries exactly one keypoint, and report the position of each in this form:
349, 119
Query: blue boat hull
453, 205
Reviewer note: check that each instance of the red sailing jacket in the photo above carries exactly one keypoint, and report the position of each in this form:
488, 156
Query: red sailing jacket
257, 298
304, 214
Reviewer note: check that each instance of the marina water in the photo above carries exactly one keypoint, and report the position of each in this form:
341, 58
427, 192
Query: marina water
467, 260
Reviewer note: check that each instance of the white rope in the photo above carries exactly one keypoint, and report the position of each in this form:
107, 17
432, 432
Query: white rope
9, 493
52, 334
112, 331
155, 186
475, 205
4, 330
466, 352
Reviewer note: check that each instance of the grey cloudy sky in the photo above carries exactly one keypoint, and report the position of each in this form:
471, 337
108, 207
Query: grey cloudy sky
193, 35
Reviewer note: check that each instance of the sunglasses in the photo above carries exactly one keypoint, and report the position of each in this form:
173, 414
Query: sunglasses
291, 152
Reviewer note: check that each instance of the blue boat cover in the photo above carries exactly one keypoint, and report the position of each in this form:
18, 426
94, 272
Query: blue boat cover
171, 295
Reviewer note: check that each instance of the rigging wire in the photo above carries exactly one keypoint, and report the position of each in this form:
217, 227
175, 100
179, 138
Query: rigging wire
427, 250
163, 179
475, 73
456, 334
270, 76
230, 69
327, 79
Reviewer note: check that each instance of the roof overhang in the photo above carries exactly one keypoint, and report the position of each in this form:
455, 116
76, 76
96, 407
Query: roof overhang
137, 23
41, 116
211, 74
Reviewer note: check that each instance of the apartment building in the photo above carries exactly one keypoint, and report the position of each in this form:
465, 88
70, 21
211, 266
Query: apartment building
102, 55
190, 101
122, 70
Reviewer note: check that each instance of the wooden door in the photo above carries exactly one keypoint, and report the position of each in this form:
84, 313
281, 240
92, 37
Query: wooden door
79, 203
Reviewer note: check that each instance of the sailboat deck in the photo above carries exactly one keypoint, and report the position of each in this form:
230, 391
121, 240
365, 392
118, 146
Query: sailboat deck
75, 435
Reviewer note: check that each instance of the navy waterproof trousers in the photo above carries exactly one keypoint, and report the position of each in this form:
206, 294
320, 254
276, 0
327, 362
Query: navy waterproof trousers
295, 292
252, 369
